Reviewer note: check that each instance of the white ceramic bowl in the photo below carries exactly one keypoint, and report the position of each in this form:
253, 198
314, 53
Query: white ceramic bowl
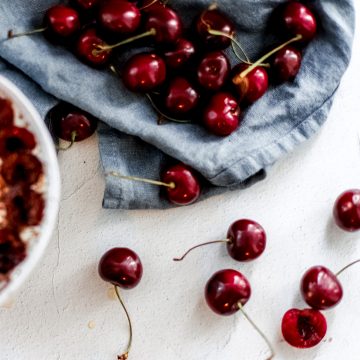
47, 154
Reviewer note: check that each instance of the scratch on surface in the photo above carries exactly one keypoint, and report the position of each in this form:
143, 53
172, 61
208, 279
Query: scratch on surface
57, 263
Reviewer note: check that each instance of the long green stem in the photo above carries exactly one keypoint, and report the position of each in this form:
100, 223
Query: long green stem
346, 267
11, 34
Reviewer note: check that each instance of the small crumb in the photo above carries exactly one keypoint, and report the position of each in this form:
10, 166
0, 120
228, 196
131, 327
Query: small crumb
9, 304
91, 325
330, 340
84, 162
111, 293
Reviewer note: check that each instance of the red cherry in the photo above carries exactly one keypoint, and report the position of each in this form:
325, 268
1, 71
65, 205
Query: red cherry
12, 250
121, 267
144, 72
213, 70
247, 240
16, 139
225, 290
186, 187
72, 124
6, 113
222, 115
62, 21
181, 96
303, 328
286, 64
252, 86
320, 288
297, 19
120, 17
88, 49
87, 4
347, 210
214, 20
180, 54
166, 23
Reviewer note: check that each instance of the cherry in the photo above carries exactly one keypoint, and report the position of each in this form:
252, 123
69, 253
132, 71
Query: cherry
88, 49
285, 64
297, 19
251, 86
222, 115
16, 139
214, 20
21, 168
120, 17
6, 113
87, 4
185, 187
181, 97
144, 72
320, 288
213, 70
12, 250
121, 267
303, 328
71, 123
179, 54
347, 210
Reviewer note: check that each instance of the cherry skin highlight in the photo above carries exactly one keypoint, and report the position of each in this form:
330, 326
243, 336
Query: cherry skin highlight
303, 328
119, 17
247, 240
144, 72
186, 188
86, 4
179, 54
347, 210
222, 116
286, 64
213, 71
320, 288
6, 113
225, 290
121, 267
181, 96
214, 20
297, 19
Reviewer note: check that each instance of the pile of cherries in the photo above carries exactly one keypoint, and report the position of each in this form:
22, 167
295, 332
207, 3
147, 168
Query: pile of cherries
21, 205
187, 75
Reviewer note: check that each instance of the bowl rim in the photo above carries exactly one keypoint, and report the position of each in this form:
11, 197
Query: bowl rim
52, 171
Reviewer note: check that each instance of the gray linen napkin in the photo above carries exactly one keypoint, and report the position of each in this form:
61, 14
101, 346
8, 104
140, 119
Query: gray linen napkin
286, 116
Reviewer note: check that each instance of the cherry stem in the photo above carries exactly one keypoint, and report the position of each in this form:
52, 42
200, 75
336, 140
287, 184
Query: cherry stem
272, 352
346, 267
148, 5
148, 181
162, 114
101, 48
200, 245
237, 80
11, 34
125, 355
72, 141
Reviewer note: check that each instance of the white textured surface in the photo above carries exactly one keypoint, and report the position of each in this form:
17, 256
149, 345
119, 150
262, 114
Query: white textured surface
50, 318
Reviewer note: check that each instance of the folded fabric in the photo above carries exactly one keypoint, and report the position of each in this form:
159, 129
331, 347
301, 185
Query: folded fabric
278, 122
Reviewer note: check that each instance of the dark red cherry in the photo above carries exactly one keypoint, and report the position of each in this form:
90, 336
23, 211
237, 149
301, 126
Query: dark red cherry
119, 16
16, 139
167, 24
320, 288
87, 4
213, 70
144, 72
347, 210
181, 96
222, 115
88, 49
214, 20
252, 86
121, 267
225, 290
62, 21
186, 186
179, 54
297, 19
21, 168
303, 328
286, 64
247, 240
12, 250
71, 123
6, 113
